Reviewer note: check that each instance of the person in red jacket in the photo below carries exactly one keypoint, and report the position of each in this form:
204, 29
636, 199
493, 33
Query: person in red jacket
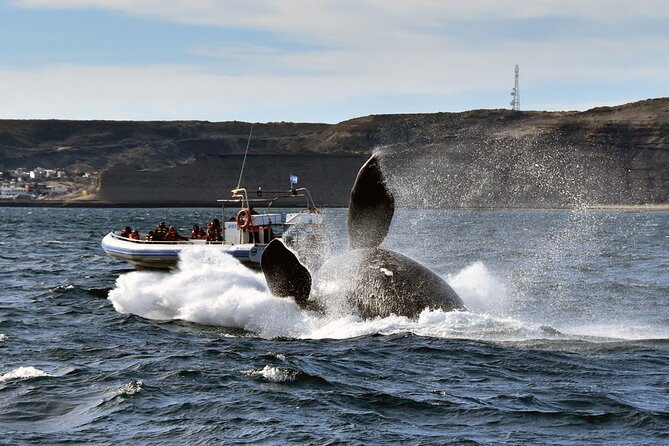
173, 236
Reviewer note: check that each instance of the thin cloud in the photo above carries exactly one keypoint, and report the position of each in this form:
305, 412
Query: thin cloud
340, 53
284, 14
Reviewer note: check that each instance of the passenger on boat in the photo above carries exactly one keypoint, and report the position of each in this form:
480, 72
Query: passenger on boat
198, 232
149, 236
214, 231
213, 235
134, 235
126, 232
160, 232
195, 234
173, 236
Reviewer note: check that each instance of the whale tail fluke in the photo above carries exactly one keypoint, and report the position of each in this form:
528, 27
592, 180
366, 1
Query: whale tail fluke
285, 275
371, 207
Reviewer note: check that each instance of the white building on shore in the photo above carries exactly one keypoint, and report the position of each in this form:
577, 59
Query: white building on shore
13, 192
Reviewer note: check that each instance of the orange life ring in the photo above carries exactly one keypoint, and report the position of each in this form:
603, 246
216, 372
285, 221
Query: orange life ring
244, 218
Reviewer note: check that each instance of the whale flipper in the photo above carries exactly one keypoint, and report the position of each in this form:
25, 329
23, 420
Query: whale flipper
285, 275
371, 207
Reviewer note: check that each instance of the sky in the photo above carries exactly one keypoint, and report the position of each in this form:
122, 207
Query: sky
324, 60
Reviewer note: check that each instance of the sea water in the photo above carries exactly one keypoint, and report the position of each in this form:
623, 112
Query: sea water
566, 340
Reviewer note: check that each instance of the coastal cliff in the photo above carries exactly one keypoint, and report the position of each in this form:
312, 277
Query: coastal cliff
480, 158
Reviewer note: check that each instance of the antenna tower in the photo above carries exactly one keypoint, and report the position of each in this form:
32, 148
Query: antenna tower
515, 94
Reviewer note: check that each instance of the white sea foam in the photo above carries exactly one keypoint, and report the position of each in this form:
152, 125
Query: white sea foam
480, 290
131, 388
213, 288
433, 323
3, 337
22, 373
629, 330
210, 288
273, 374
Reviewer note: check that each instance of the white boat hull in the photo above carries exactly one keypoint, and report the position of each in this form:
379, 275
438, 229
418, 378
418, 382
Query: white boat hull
165, 255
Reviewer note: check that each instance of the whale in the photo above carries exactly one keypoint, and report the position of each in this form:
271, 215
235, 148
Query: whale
366, 280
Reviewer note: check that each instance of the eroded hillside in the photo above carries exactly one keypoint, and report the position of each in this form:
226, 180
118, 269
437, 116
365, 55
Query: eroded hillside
489, 158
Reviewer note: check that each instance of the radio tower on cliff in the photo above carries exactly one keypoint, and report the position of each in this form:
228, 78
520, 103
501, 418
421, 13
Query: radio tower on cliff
515, 94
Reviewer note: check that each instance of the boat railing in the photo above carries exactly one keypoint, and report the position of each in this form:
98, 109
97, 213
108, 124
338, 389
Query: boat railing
308, 217
240, 196
167, 242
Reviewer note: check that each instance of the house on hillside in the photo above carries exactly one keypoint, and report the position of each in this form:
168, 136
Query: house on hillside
12, 192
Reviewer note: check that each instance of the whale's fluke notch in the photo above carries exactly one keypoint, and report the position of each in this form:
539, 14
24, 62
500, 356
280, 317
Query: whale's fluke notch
285, 275
371, 207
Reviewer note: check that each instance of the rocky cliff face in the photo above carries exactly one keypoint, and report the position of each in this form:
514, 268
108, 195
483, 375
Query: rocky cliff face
487, 158
203, 180
604, 156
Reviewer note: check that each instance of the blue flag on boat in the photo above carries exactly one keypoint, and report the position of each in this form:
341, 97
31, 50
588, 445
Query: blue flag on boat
293, 179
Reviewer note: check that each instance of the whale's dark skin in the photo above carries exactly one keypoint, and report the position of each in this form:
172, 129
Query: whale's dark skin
370, 281
284, 274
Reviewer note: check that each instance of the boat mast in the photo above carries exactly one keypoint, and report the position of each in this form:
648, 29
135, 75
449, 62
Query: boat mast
241, 172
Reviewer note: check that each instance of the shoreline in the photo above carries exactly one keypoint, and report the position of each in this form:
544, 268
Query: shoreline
103, 204
664, 207
629, 207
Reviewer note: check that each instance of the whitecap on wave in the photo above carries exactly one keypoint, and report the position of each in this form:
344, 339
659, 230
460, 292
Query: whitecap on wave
628, 331
23, 373
434, 323
133, 387
274, 374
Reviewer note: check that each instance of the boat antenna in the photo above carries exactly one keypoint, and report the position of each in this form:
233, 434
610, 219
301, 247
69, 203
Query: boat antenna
248, 143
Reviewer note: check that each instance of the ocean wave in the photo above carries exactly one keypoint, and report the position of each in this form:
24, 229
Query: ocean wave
131, 388
274, 374
212, 288
626, 331
61, 288
21, 373
436, 324
285, 375
76, 290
